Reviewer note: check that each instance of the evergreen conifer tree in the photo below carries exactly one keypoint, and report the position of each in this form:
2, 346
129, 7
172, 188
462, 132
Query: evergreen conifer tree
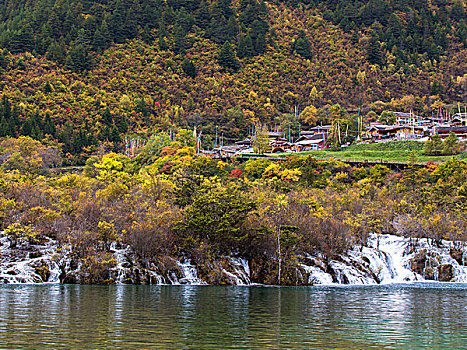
5, 128
78, 59
373, 50
179, 40
227, 59
47, 88
122, 124
56, 52
189, 68
245, 47
302, 46
49, 126
107, 117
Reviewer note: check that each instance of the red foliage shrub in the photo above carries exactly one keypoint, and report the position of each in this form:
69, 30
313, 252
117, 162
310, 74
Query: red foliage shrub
235, 173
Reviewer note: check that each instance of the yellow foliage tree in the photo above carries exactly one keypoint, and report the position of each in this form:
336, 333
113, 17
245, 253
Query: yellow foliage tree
309, 115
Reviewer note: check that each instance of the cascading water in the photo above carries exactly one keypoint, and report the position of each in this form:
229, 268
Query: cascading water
385, 259
28, 266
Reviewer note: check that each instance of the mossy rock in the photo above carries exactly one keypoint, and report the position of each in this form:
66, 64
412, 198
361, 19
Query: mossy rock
457, 254
445, 273
43, 271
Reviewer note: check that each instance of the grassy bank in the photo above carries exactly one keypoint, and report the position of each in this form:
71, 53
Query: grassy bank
397, 152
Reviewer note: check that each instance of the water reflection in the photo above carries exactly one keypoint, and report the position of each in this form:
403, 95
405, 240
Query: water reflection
189, 317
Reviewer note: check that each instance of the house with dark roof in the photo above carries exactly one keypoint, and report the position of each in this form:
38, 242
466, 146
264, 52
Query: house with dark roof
443, 132
311, 142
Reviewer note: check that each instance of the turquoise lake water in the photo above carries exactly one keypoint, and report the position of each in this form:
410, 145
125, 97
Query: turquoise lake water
415, 316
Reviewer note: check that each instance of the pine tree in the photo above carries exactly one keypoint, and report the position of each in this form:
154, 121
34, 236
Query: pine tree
6, 108
26, 128
179, 40
49, 126
78, 59
47, 88
245, 47
227, 59
203, 17
122, 124
147, 35
451, 145
457, 10
22, 40
373, 51
5, 128
104, 134
302, 46
3, 60
189, 68
162, 43
56, 52
260, 45
107, 117
115, 138
36, 132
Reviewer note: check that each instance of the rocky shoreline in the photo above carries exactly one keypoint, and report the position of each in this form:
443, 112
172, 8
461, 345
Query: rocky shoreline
385, 259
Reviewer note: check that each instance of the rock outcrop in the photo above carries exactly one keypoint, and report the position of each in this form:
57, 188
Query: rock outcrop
385, 259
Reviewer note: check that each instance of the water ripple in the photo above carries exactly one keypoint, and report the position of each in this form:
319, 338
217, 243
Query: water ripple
418, 316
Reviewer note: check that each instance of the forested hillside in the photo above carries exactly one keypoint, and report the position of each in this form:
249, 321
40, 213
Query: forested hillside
86, 73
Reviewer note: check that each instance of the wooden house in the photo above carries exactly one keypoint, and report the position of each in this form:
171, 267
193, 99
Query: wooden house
381, 131
403, 118
459, 119
407, 132
460, 131
317, 130
310, 142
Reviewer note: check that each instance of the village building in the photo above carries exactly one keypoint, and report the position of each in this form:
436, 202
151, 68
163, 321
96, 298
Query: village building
310, 142
395, 132
407, 132
403, 118
381, 131
320, 129
460, 131
459, 119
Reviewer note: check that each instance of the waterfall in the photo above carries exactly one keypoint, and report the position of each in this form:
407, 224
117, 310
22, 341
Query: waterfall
385, 259
28, 266
390, 259
189, 274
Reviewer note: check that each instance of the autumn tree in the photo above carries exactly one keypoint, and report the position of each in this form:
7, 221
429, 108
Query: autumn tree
309, 115
261, 140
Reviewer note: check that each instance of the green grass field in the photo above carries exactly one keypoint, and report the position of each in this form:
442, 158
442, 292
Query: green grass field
397, 152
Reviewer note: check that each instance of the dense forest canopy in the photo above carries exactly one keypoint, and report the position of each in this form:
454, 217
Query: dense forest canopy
87, 72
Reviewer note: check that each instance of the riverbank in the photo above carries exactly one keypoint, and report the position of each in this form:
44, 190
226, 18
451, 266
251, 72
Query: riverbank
384, 259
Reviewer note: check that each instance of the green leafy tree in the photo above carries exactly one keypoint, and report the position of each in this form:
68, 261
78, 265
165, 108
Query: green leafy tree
451, 145
217, 216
